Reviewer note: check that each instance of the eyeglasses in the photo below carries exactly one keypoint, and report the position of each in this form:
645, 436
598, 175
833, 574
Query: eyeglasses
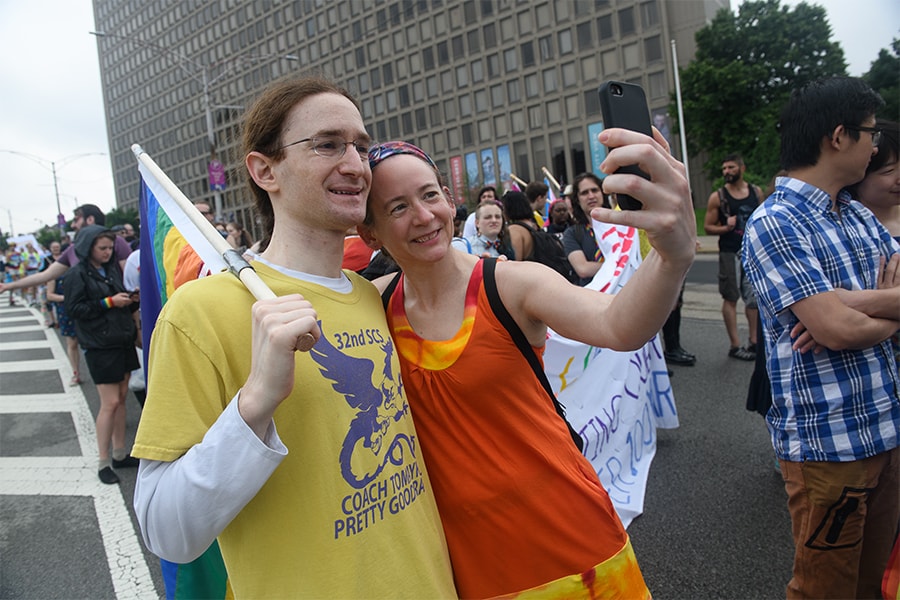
331, 146
876, 133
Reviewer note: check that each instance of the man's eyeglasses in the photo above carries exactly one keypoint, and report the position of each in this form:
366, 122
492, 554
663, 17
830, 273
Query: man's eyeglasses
331, 146
876, 133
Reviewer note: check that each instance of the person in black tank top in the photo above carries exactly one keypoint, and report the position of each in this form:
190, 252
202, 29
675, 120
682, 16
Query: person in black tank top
727, 212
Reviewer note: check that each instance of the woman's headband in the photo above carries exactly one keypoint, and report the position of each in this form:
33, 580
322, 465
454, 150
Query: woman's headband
379, 152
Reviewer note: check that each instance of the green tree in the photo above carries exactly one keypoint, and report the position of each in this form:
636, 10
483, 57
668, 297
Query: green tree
884, 77
120, 216
744, 69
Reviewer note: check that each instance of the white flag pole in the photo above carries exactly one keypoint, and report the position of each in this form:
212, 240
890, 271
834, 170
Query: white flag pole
551, 179
683, 136
235, 262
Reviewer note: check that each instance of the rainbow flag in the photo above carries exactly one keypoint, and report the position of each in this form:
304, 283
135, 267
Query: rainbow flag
161, 244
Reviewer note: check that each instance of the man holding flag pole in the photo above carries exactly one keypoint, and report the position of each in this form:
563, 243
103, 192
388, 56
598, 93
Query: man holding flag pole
304, 465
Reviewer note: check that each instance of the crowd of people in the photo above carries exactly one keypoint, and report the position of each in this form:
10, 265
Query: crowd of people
393, 446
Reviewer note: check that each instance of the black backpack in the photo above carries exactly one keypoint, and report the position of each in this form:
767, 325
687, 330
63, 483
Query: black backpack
548, 250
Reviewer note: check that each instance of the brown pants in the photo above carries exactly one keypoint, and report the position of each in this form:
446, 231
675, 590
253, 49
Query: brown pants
844, 518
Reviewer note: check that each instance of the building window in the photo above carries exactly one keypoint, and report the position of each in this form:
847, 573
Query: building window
484, 130
572, 107
434, 113
453, 138
583, 32
631, 56
443, 53
450, 109
535, 117
459, 50
490, 35
527, 50
493, 64
447, 82
532, 88
656, 82
437, 143
431, 84
550, 83
545, 45
477, 71
421, 121
510, 60
542, 14
524, 19
649, 14
610, 60
554, 114
565, 41
474, 41
591, 103
589, 67
626, 21
428, 58
469, 12
569, 78
517, 120
462, 76
500, 126
467, 135
512, 91
652, 49
481, 101
497, 96
465, 106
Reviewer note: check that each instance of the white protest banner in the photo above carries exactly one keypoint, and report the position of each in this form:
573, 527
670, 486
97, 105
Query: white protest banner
615, 400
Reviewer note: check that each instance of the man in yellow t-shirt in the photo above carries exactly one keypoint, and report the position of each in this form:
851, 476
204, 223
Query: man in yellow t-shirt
304, 465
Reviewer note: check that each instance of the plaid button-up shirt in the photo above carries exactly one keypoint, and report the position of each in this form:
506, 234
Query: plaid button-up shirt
832, 406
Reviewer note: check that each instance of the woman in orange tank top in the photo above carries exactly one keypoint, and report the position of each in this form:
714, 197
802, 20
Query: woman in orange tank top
522, 509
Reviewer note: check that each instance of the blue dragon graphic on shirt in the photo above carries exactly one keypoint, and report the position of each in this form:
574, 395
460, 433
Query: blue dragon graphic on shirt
366, 450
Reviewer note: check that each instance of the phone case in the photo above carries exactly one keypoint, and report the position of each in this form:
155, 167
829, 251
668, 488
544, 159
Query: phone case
624, 105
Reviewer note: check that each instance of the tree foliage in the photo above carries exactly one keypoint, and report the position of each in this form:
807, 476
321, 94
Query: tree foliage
743, 72
120, 216
884, 77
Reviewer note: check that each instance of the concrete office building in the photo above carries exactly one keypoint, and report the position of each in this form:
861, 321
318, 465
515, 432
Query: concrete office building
489, 87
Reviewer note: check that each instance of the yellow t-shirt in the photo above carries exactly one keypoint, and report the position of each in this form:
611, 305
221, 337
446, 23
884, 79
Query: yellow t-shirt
350, 511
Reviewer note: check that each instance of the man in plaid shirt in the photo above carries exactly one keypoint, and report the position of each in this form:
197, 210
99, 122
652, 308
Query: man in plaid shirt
829, 307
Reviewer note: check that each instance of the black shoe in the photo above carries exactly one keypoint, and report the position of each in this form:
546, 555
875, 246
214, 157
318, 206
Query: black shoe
108, 476
742, 354
129, 462
680, 357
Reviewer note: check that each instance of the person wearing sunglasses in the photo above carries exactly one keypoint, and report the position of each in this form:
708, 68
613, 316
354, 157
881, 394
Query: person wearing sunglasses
812, 254
304, 465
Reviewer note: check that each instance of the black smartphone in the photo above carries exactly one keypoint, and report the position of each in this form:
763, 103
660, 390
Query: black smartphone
624, 105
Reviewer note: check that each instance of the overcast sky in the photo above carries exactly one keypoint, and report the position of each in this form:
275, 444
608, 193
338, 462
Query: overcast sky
51, 105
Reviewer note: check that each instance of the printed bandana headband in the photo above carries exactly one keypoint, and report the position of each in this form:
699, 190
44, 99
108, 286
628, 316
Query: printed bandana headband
379, 152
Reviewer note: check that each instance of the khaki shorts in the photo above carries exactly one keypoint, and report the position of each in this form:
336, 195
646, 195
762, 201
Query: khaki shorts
733, 282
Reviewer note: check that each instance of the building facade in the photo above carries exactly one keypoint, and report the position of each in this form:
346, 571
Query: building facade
492, 89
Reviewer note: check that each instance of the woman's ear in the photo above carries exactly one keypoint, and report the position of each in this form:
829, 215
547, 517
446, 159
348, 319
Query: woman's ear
365, 233
261, 171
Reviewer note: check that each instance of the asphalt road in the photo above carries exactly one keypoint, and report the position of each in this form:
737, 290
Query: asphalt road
715, 523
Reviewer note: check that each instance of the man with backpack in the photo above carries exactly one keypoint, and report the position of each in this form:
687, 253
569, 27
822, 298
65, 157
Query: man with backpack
727, 211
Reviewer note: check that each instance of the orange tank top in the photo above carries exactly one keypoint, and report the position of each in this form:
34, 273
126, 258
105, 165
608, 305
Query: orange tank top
519, 504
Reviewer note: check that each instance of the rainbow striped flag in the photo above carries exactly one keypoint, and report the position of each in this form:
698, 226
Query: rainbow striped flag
165, 231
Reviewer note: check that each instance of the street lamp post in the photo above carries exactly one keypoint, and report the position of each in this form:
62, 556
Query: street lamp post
60, 218
203, 74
